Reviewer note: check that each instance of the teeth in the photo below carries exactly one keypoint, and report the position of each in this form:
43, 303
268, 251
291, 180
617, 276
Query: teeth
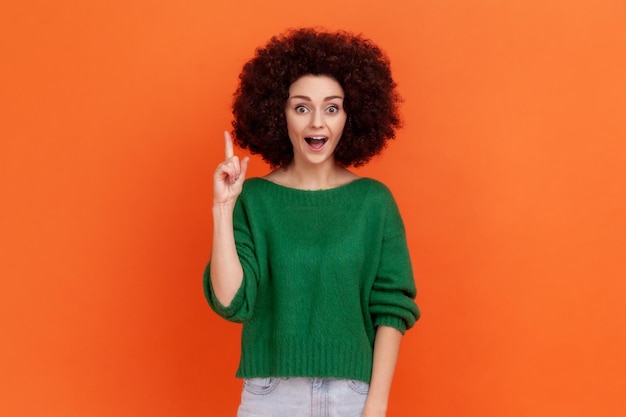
316, 141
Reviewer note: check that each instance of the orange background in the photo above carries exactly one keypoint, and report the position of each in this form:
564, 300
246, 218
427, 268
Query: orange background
509, 173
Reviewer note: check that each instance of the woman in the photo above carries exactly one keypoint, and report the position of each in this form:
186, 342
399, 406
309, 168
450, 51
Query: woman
311, 258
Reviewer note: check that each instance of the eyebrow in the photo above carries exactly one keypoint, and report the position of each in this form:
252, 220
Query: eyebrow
309, 98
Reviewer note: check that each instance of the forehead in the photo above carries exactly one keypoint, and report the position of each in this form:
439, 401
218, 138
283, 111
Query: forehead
316, 87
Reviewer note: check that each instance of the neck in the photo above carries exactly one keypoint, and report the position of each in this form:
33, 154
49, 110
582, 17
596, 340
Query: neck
314, 177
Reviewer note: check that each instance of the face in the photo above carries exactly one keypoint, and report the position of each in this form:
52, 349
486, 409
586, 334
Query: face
315, 118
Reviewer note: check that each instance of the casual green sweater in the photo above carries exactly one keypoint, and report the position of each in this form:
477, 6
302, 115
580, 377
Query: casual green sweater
322, 269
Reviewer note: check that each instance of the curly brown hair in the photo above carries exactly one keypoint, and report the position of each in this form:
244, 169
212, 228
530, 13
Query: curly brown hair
360, 67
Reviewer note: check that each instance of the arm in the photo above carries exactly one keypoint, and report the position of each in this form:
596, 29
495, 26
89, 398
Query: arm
392, 307
226, 270
386, 349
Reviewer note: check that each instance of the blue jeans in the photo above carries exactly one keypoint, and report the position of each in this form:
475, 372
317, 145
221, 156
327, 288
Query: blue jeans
302, 397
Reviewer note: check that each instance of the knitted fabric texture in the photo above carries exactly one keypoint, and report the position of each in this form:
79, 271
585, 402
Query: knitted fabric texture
322, 269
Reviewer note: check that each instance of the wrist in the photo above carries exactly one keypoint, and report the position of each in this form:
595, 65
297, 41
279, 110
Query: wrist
373, 408
377, 400
376, 404
222, 213
220, 207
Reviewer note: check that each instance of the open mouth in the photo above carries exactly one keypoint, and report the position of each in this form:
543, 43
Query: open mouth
316, 142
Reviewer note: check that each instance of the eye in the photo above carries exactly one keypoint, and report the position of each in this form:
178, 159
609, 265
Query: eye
333, 109
301, 109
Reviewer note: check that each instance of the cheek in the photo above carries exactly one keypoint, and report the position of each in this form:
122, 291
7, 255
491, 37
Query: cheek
340, 125
293, 123
293, 129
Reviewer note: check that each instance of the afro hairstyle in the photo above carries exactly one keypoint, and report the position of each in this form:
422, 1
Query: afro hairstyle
358, 65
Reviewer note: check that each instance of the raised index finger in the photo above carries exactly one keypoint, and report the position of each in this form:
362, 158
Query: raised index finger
228, 146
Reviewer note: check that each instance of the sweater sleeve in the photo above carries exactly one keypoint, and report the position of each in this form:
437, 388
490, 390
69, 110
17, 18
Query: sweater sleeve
242, 306
393, 293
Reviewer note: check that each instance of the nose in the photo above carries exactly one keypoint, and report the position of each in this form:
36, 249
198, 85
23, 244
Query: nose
317, 119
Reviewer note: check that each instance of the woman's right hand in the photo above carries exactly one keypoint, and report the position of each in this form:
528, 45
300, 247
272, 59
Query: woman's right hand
229, 175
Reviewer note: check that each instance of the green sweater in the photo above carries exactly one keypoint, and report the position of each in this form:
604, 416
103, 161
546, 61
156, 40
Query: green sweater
322, 269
